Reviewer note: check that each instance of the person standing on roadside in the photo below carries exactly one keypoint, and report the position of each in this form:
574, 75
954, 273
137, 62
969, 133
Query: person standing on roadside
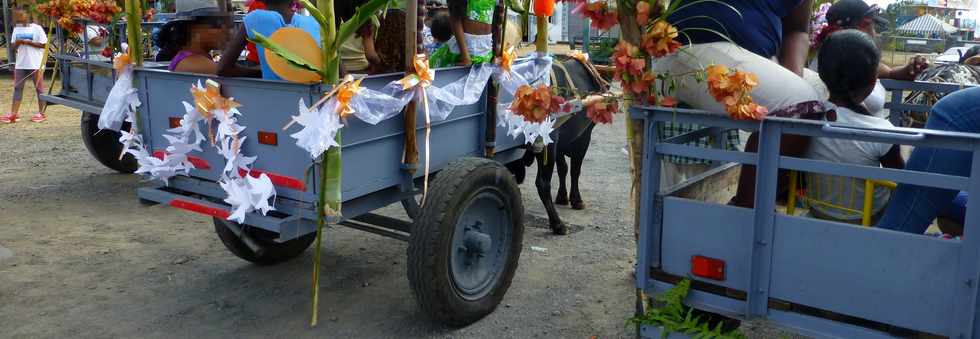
29, 42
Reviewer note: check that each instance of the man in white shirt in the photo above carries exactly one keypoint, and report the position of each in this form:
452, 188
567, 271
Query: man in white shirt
29, 40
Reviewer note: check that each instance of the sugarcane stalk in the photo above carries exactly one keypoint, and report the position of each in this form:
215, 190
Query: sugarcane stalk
330, 165
541, 40
134, 32
631, 32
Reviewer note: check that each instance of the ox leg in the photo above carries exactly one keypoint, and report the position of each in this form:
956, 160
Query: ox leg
546, 166
562, 197
580, 148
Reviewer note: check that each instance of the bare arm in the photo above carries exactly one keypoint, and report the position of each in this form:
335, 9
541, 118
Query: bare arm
893, 159
796, 38
228, 65
29, 43
461, 41
368, 41
910, 71
198, 64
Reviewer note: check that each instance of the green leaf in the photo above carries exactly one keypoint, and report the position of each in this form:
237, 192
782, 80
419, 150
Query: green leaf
361, 16
676, 7
678, 22
291, 58
314, 12
709, 31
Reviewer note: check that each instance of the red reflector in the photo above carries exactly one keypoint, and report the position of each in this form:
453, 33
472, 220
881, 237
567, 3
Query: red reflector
197, 162
710, 268
278, 180
268, 138
174, 122
198, 208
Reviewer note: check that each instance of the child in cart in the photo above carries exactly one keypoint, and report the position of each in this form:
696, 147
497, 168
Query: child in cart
279, 14
472, 41
848, 63
357, 53
29, 40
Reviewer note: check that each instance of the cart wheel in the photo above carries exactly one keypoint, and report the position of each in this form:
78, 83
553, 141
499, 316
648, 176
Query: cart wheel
271, 252
104, 145
466, 243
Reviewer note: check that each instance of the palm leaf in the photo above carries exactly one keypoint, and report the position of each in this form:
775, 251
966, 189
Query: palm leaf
290, 57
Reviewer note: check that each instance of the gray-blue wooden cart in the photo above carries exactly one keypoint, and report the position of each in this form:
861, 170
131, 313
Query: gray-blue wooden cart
818, 278
464, 241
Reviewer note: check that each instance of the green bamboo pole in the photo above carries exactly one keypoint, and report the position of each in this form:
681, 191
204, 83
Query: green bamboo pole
330, 166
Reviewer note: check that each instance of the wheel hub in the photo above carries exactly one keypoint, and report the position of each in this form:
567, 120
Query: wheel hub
476, 244
480, 245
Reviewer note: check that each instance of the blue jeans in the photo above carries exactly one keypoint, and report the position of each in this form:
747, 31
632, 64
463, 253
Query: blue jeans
913, 208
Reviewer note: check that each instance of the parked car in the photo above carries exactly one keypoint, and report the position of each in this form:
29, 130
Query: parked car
952, 55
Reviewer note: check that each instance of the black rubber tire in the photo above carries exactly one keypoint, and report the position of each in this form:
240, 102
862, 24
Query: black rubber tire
432, 240
104, 145
273, 252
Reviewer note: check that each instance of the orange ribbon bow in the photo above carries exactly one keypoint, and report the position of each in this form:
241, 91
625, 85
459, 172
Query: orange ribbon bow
345, 92
209, 98
506, 59
121, 61
423, 75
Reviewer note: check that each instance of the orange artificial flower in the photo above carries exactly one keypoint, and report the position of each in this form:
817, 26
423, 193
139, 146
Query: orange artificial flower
660, 40
600, 108
731, 88
642, 13
535, 104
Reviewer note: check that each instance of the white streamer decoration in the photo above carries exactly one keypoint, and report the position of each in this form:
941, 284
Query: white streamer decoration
121, 102
320, 125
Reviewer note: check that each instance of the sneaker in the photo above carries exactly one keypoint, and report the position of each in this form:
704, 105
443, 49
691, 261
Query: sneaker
9, 118
40, 117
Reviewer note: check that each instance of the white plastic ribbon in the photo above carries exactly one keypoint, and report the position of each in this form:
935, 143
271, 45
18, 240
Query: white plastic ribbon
121, 102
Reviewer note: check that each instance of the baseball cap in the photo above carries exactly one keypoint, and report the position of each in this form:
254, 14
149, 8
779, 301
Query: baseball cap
847, 13
190, 9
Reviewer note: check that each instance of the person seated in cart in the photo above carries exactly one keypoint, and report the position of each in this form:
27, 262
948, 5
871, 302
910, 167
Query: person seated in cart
278, 14
913, 208
856, 14
198, 28
357, 53
848, 64
472, 41
768, 38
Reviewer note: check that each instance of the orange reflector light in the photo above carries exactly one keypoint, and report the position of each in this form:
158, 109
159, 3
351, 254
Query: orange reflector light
174, 122
710, 268
268, 138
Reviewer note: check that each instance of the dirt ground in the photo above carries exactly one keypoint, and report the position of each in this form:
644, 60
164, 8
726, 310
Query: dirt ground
80, 257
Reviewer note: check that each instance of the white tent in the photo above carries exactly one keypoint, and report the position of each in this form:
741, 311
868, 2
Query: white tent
927, 24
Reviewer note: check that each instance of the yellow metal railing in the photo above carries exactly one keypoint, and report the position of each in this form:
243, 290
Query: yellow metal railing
866, 208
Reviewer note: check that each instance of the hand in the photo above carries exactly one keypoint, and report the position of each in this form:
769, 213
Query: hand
465, 61
916, 66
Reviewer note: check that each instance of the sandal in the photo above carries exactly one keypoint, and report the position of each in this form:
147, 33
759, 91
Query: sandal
39, 117
9, 118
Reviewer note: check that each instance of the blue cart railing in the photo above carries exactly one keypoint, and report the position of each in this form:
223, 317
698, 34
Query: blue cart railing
814, 277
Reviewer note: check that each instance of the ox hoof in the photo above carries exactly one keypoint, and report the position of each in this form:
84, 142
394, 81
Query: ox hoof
578, 205
561, 199
560, 229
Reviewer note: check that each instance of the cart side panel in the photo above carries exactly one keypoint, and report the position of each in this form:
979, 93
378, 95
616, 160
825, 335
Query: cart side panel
266, 106
905, 278
373, 154
717, 231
